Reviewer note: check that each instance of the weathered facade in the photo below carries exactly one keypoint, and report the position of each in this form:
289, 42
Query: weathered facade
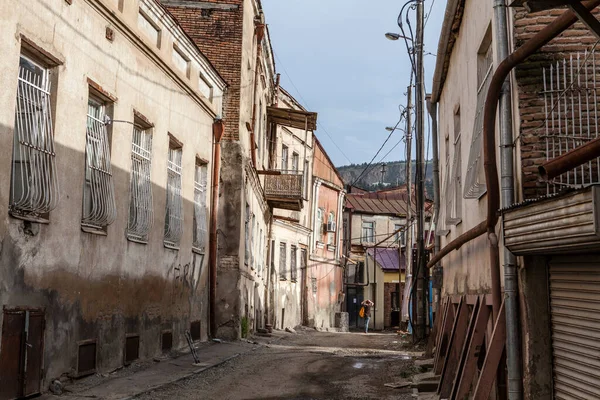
554, 107
106, 133
234, 36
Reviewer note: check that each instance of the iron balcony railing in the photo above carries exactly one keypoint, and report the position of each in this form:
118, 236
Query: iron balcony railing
288, 185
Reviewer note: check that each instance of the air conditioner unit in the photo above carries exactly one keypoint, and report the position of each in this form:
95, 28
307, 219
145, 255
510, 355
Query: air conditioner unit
331, 227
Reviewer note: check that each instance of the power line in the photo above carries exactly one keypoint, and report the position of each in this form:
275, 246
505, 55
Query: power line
306, 103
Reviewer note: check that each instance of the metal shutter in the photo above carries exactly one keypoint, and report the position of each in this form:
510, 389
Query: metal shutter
575, 314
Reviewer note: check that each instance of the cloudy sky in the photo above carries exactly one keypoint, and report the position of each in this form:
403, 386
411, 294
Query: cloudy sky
334, 59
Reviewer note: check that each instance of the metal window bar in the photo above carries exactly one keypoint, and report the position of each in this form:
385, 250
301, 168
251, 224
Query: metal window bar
282, 261
475, 186
174, 209
140, 197
34, 182
293, 263
571, 108
99, 207
200, 208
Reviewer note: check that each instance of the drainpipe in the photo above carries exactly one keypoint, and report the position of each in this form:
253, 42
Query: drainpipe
218, 128
511, 285
432, 109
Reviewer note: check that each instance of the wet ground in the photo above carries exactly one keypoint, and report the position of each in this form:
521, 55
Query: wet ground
306, 365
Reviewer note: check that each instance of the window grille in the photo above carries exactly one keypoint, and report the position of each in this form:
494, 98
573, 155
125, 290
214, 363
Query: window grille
475, 178
293, 265
282, 262
99, 207
200, 208
367, 232
34, 188
174, 209
140, 196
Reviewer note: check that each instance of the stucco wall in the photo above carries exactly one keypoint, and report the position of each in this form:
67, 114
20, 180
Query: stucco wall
93, 286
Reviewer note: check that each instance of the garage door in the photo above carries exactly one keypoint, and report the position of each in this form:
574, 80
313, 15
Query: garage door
575, 315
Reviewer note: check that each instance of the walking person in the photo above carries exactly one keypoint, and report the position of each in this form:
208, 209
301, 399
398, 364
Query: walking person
367, 305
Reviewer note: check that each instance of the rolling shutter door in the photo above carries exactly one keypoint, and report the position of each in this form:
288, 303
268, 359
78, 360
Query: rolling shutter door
575, 315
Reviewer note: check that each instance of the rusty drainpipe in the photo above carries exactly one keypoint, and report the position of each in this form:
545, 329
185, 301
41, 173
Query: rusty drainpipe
555, 28
259, 31
218, 128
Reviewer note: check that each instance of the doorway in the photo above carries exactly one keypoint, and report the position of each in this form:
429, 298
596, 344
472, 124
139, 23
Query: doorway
22, 352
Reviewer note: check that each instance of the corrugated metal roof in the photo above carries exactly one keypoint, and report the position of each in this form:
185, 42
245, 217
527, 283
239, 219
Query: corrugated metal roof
384, 206
388, 259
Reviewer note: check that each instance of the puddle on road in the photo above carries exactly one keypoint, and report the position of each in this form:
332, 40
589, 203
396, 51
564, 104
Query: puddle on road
358, 365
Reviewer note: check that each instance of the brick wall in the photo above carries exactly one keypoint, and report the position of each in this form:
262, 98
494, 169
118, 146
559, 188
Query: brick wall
389, 288
218, 33
530, 85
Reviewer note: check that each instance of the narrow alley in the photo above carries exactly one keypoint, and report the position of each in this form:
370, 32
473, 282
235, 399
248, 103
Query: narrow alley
306, 365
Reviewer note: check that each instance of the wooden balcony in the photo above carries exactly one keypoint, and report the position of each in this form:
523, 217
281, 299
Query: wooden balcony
285, 190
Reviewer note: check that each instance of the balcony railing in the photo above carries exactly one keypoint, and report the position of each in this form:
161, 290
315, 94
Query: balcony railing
285, 190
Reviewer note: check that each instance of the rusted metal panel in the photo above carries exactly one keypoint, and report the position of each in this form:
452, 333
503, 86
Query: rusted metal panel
492, 358
555, 225
473, 350
575, 318
457, 340
444, 340
86, 358
11, 363
34, 353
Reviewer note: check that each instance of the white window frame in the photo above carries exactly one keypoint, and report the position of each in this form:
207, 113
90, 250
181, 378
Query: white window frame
295, 162
366, 237
34, 183
284, 158
98, 191
400, 236
294, 263
200, 236
283, 261
174, 203
330, 235
319, 227
141, 213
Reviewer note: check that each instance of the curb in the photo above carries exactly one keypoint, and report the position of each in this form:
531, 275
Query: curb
184, 377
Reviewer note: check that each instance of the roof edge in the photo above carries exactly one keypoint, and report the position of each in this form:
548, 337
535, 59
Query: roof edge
445, 46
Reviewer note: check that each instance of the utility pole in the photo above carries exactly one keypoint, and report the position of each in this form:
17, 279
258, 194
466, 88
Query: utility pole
421, 298
408, 230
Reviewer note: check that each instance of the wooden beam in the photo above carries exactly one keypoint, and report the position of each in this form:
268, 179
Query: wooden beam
442, 350
457, 341
492, 358
475, 344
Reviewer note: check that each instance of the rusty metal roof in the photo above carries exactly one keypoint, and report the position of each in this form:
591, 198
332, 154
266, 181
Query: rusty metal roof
362, 203
292, 118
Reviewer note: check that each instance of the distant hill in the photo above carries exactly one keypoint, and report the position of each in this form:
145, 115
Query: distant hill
395, 175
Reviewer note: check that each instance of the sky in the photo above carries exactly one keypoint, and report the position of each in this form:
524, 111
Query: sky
334, 59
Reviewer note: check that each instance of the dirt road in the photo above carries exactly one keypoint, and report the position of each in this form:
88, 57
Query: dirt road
305, 365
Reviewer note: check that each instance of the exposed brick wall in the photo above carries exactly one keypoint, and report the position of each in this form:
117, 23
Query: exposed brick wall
530, 85
218, 33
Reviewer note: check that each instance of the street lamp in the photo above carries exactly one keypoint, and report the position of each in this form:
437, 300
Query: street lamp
396, 36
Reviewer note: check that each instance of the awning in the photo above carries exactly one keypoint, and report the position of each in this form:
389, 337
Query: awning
292, 118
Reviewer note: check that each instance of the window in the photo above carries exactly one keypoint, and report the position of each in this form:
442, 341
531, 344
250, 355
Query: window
368, 235
99, 207
258, 136
319, 226
401, 235
282, 261
284, 158
455, 193
140, 187
34, 184
295, 161
200, 209
395, 301
260, 253
331, 229
149, 28
181, 61
205, 88
293, 260
253, 249
306, 172
174, 209
247, 235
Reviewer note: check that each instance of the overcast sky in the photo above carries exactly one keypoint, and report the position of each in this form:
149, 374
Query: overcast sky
334, 59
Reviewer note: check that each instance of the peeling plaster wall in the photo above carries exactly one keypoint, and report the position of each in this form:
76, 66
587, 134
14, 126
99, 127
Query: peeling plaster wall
91, 286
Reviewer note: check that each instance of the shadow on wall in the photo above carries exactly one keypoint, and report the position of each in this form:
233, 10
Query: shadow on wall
101, 289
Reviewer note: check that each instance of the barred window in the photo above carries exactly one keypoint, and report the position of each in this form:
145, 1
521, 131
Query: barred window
34, 183
99, 207
140, 191
282, 261
293, 265
174, 209
200, 208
